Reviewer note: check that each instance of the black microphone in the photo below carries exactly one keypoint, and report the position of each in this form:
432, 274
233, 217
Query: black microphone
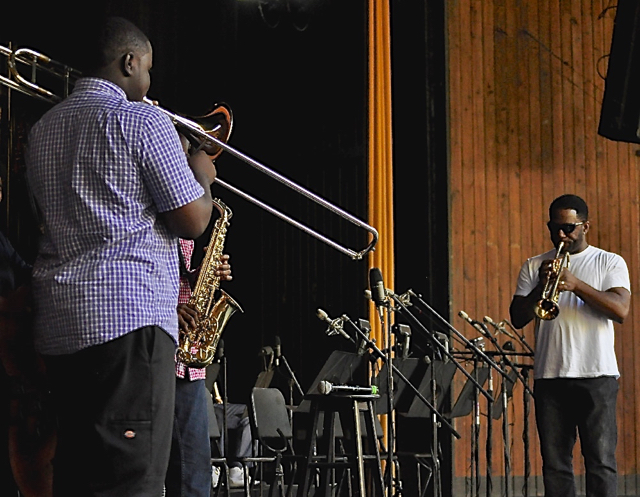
277, 348
376, 285
403, 334
444, 340
325, 388
365, 327
220, 349
335, 325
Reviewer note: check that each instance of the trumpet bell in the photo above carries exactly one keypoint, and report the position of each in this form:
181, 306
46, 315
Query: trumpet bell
547, 309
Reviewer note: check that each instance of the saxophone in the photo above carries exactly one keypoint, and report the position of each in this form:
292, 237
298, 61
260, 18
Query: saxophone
197, 347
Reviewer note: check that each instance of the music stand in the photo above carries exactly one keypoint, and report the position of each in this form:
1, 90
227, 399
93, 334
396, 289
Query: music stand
464, 404
442, 372
413, 369
341, 368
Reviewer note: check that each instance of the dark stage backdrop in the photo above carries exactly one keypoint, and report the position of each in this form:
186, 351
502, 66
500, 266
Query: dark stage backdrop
296, 82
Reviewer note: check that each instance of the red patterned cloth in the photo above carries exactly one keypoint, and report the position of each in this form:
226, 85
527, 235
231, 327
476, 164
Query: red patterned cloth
186, 246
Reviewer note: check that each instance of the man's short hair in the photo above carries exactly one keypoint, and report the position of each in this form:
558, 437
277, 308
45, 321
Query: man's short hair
570, 201
107, 40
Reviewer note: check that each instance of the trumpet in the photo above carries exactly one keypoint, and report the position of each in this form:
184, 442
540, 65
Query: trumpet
216, 137
547, 307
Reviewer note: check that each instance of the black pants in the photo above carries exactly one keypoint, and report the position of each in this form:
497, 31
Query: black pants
585, 406
114, 404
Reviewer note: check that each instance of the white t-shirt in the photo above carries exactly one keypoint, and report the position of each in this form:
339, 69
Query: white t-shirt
579, 343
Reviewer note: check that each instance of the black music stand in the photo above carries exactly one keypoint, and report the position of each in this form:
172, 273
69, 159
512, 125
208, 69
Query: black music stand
411, 368
442, 372
464, 404
341, 368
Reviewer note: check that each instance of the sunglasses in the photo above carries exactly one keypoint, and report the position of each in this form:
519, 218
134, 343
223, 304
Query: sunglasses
566, 228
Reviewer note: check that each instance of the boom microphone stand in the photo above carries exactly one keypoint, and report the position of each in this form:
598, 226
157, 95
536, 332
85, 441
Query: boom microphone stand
404, 309
376, 287
378, 354
280, 359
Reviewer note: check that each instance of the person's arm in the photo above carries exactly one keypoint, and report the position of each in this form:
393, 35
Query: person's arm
187, 315
614, 303
522, 308
192, 219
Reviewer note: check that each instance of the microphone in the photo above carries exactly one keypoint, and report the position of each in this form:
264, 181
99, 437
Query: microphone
476, 324
220, 349
335, 325
444, 340
403, 332
477, 342
376, 285
325, 388
499, 328
365, 327
277, 348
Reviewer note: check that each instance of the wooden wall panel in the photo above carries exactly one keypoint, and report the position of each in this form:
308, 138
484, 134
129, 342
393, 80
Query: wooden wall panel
526, 81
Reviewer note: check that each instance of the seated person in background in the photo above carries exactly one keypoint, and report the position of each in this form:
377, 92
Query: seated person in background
239, 441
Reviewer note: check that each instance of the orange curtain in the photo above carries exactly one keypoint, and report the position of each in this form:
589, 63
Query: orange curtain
380, 150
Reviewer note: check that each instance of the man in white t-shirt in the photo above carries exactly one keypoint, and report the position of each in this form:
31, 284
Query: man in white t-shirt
575, 369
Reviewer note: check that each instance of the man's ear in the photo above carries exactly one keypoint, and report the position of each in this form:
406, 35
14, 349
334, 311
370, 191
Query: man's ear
127, 64
585, 227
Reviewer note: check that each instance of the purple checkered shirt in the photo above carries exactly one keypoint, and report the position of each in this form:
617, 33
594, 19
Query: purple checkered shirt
101, 169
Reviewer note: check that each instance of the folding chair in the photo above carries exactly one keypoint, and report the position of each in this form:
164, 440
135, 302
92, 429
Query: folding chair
272, 429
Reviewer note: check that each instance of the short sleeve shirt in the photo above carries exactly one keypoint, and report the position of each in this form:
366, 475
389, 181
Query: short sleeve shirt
579, 343
102, 169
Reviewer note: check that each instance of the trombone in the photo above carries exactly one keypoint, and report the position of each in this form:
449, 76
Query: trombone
35, 61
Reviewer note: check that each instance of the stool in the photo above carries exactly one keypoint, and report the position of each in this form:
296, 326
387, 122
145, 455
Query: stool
322, 452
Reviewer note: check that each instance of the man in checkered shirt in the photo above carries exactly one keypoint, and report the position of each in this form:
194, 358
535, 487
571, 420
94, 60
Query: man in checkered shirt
116, 191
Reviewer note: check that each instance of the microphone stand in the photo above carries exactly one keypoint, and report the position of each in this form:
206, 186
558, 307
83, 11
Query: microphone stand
438, 418
518, 335
489, 447
225, 399
405, 312
475, 432
435, 445
386, 326
378, 354
505, 436
475, 438
293, 381
525, 433
504, 357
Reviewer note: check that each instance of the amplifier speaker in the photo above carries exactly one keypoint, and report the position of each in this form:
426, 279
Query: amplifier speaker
620, 115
